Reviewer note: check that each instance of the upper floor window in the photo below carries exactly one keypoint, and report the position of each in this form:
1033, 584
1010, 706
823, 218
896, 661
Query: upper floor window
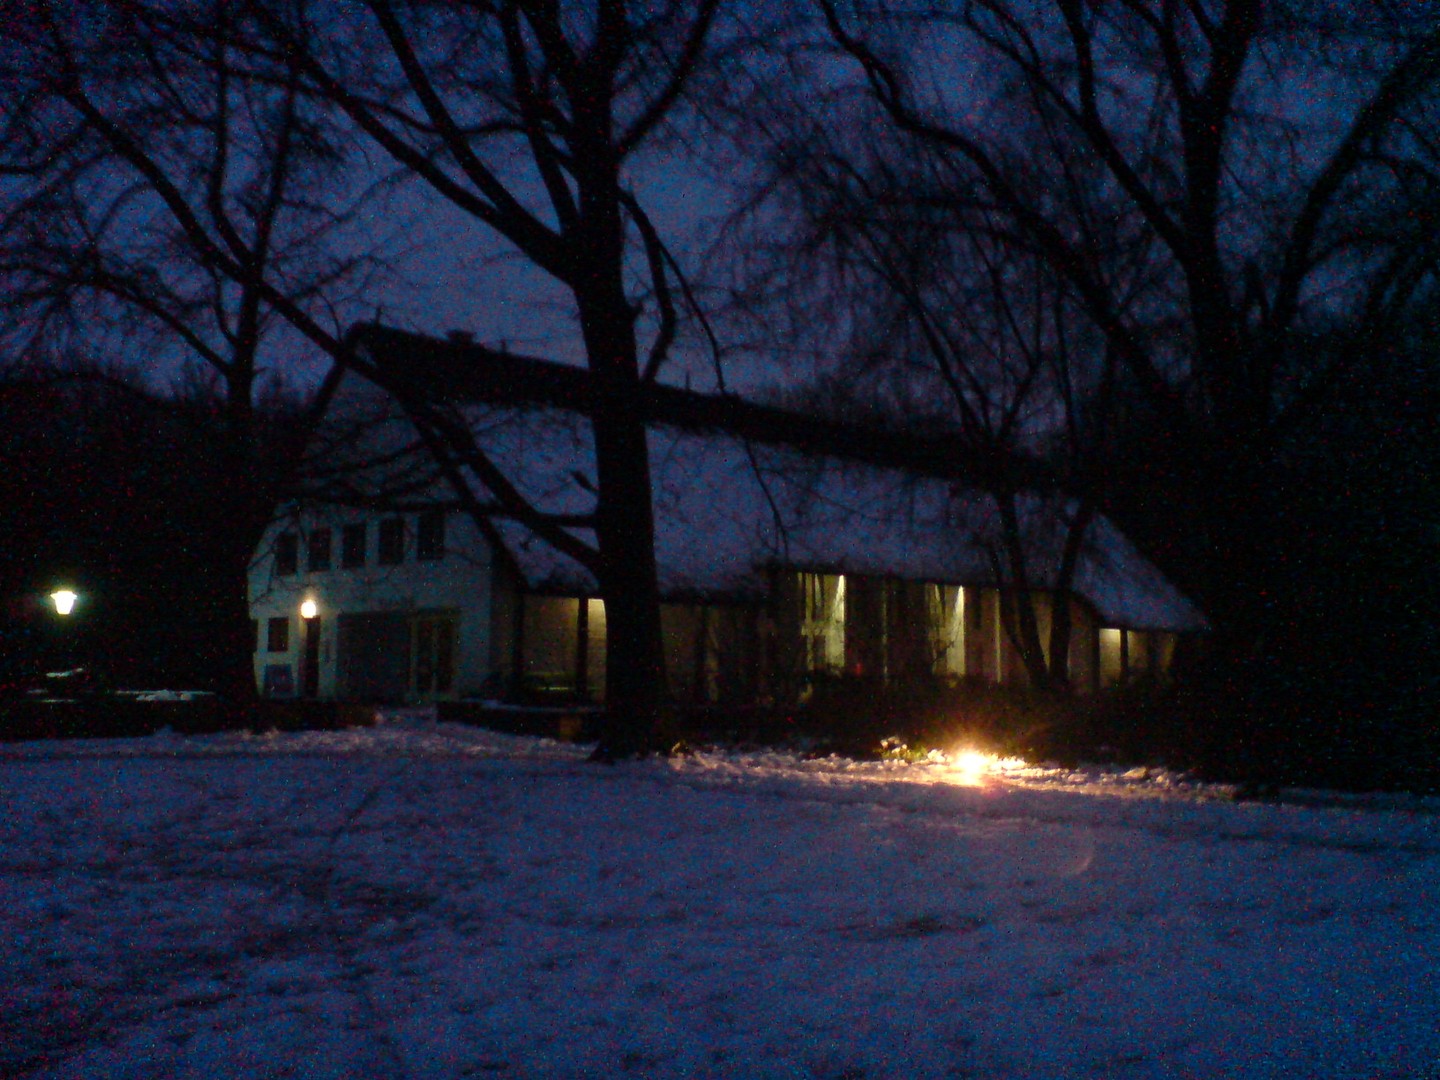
352, 545
392, 541
430, 535
319, 550
287, 553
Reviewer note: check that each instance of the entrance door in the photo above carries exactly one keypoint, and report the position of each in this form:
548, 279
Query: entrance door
372, 661
434, 653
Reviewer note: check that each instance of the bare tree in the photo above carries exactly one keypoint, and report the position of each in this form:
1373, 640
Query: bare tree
171, 199
1202, 215
532, 118
943, 323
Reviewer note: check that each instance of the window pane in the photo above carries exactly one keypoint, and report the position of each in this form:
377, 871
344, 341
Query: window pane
1112, 663
822, 621
947, 627
319, 550
392, 541
287, 553
278, 634
430, 535
352, 546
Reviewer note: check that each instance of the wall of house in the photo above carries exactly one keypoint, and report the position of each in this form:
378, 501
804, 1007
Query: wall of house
891, 629
1084, 647
451, 625
547, 648
414, 625
1126, 654
712, 652
548, 652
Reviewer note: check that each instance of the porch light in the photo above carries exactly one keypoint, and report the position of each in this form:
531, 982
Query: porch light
64, 600
308, 610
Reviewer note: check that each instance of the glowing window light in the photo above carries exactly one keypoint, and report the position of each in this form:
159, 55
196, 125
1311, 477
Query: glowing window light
308, 609
64, 600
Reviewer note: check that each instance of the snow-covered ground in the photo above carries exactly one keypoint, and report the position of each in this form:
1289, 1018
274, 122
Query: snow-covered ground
421, 900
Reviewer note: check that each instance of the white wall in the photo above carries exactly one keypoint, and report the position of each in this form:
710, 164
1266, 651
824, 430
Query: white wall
460, 582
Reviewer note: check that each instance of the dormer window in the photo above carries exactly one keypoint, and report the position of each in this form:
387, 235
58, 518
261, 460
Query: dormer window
430, 536
392, 542
287, 554
352, 545
319, 550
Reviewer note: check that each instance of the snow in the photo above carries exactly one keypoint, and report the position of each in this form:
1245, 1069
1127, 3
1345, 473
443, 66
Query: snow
760, 506
428, 900
755, 505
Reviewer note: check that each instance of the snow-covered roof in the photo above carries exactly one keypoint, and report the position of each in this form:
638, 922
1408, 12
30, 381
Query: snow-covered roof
728, 510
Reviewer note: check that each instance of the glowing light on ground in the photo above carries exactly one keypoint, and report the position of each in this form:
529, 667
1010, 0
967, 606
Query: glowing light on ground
972, 766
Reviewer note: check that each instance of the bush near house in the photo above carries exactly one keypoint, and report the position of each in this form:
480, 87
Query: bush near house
1260, 736
1258, 733
860, 715
77, 704
71, 705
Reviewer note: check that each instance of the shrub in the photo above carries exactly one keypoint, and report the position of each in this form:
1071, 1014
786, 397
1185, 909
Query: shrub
854, 715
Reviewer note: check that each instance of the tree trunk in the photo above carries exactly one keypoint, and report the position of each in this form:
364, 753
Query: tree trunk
1061, 624
1022, 625
225, 639
234, 661
625, 535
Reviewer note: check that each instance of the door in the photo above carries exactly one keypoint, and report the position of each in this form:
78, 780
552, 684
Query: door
434, 653
373, 656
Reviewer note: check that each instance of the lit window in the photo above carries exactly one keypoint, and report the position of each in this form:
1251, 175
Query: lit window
287, 554
1112, 655
430, 536
946, 615
352, 545
822, 621
319, 550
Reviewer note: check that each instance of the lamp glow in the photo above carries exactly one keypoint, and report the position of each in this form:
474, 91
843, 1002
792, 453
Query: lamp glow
64, 600
971, 766
308, 610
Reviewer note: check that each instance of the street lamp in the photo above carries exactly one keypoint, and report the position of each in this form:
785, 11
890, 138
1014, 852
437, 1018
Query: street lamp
64, 600
310, 654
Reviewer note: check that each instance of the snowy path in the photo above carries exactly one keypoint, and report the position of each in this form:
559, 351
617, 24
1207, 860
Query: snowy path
426, 901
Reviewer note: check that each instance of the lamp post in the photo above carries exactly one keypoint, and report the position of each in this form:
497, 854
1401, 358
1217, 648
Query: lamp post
63, 652
310, 654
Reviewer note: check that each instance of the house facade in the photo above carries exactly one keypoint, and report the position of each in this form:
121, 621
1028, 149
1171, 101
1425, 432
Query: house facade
425, 604
387, 607
776, 565
409, 607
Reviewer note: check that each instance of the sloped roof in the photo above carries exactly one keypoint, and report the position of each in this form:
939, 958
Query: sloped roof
727, 510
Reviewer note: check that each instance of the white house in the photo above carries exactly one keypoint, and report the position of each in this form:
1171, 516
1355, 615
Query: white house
355, 605
776, 566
